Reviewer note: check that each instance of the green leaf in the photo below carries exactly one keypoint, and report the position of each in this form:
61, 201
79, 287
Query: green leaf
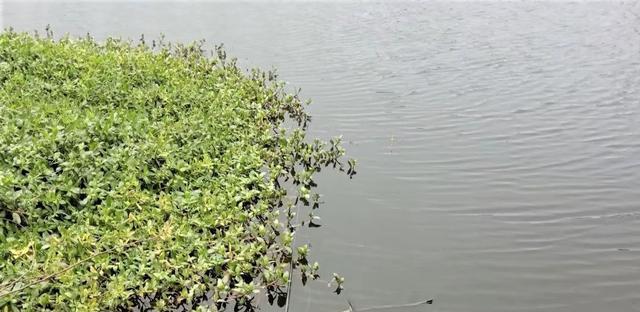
16, 218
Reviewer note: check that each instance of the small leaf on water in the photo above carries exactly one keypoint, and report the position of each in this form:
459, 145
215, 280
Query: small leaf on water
282, 299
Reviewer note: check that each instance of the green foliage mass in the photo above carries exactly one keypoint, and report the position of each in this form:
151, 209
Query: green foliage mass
137, 176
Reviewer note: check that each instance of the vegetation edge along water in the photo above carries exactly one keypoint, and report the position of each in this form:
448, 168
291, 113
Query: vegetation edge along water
139, 176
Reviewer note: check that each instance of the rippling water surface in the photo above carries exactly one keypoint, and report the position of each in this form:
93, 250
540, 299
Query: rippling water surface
498, 143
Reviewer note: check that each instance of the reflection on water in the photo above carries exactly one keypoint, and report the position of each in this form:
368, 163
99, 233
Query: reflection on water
498, 143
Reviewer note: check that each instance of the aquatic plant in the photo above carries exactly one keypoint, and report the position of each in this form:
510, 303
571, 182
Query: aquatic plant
138, 175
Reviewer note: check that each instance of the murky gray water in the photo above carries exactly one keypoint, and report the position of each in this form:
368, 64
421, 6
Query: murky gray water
499, 143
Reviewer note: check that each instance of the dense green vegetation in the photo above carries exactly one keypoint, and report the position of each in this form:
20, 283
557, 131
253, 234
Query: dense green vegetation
148, 175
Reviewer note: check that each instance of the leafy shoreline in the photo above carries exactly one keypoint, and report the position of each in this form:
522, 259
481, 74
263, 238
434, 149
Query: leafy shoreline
137, 176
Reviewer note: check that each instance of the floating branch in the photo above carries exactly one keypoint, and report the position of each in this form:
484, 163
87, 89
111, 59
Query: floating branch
393, 306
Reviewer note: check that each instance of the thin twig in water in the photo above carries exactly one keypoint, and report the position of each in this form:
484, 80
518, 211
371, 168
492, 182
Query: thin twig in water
289, 284
391, 306
291, 264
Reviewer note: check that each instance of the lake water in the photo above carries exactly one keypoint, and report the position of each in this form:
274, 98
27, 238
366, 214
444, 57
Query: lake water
498, 142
